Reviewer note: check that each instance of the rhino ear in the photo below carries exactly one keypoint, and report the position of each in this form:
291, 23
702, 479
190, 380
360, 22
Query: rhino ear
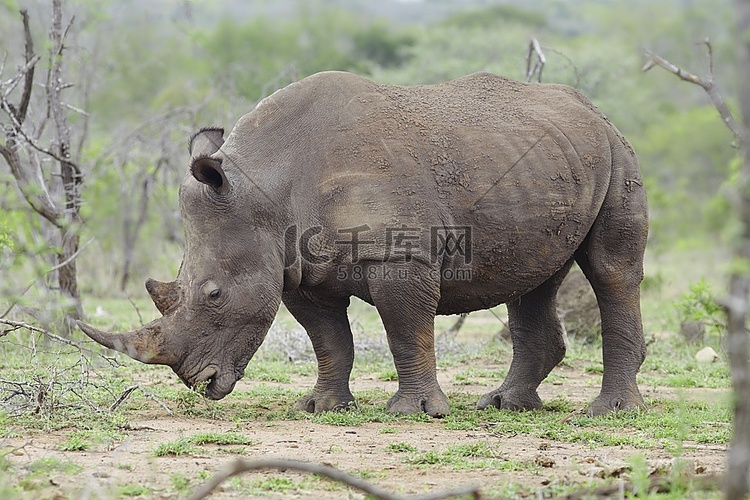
208, 171
205, 142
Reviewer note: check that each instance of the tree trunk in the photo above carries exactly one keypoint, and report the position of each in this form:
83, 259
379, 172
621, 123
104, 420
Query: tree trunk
69, 172
737, 306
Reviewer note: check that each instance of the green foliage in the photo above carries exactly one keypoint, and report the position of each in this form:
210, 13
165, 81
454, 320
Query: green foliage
489, 18
686, 157
287, 49
380, 45
6, 242
700, 304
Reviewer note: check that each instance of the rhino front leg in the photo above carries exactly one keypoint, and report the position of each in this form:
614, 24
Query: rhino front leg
327, 325
407, 308
538, 346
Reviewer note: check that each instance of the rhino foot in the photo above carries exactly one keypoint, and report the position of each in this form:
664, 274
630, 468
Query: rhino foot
508, 399
318, 403
605, 403
432, 402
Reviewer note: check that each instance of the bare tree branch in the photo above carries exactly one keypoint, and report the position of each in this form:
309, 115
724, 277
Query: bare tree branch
28, 79
239, 466
41, 205
150, 122
15, 325
70, 257
707, 83
18, 128
10, 85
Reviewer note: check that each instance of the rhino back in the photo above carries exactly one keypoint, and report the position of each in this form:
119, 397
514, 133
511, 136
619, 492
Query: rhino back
525, 166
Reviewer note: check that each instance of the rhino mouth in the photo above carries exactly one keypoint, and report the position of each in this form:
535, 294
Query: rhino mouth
211, 383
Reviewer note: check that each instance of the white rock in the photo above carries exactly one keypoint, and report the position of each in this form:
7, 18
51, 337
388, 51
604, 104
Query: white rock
706, 355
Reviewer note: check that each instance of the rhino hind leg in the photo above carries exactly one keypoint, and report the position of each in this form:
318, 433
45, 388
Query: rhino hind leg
612, 260
327, 325
407, 308
538, 346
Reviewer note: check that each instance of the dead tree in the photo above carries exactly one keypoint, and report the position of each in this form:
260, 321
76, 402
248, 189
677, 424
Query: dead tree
537, 56
31, 146
736, 304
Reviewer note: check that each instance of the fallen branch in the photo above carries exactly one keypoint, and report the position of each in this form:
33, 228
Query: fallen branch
240, 466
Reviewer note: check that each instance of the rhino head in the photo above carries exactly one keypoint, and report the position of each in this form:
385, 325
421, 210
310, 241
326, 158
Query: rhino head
217, 312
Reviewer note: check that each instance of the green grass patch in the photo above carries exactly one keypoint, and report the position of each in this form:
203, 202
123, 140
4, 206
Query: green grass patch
134, 490
468, 456
269, 371
187, 445
180, 446
401, 447
75, 442
388, 375
220, 438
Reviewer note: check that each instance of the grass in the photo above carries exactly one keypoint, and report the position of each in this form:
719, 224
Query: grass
77, 408
477, 455
180, 446
401, 447
134, 490
189, 445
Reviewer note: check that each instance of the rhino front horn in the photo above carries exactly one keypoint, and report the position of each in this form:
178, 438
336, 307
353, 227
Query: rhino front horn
145, 344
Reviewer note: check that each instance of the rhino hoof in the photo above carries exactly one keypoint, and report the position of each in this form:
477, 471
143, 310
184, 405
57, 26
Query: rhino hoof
319, 403
507, 400
435, 404
602, 405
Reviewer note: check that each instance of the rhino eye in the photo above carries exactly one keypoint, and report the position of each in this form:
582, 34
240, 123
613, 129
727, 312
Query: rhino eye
215, 293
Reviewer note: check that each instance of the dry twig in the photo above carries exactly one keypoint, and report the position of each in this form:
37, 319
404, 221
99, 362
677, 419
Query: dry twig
130, 390
16, 325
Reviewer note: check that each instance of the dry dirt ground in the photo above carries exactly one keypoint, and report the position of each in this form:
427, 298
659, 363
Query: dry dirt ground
362, 449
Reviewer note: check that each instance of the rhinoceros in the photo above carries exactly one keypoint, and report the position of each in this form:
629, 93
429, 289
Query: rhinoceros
420, 200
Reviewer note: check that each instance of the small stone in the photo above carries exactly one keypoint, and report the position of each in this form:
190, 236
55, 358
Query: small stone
706, 355
544, 461
595, 472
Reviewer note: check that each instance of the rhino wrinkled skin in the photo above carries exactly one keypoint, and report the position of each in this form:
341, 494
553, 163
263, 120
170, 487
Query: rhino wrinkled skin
424, 200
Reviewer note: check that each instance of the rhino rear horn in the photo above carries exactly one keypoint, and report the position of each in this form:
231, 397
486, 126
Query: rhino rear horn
166, 296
